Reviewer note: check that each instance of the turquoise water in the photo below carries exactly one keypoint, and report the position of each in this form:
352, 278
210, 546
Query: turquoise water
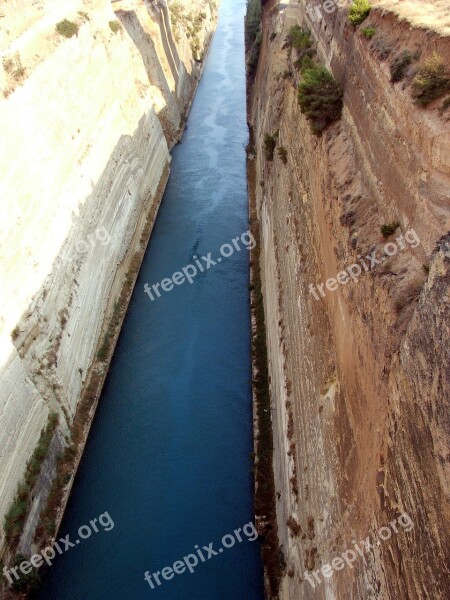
168, 457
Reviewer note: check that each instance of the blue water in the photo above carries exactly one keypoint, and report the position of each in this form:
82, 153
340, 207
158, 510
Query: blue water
168, 456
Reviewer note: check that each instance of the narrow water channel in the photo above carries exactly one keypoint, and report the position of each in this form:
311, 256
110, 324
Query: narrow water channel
168, 456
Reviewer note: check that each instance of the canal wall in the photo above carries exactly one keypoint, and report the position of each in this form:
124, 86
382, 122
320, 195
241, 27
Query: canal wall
358, 375
94, 95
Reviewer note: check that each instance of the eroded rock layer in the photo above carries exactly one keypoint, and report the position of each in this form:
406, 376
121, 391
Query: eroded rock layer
94, 95
358, 368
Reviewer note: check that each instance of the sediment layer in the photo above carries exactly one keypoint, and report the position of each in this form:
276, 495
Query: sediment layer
358, 375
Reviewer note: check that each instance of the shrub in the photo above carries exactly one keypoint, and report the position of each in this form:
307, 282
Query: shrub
104, 349
359, 11
270, 141
15, 333
25, 582
253, 35
84, 15
304, 63
15, 518
389, 229
320, 98
252, 21
67, 28
368, 32
400, 65
432, 81
115, 26
300, 38
13, 66
302, 54
273, 35
17, 514
282, 153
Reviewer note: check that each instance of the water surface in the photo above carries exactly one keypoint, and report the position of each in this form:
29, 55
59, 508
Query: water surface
169, 451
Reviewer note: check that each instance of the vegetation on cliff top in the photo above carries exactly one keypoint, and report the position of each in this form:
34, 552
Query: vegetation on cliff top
320, 98
359, 11
432, 81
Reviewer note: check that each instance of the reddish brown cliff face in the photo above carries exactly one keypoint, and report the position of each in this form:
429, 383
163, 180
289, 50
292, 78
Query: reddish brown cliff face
357, 323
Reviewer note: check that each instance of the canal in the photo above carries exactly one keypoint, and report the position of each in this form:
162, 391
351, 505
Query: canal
169, 453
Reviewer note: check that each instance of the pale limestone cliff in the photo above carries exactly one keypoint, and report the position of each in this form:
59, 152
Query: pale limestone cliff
358, 378
86, 126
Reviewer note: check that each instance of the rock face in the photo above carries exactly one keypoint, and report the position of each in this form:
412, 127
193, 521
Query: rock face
359, 367
88, 116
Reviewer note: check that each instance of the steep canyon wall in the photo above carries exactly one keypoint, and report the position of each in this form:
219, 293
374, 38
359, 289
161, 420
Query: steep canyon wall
87, 121
359, 378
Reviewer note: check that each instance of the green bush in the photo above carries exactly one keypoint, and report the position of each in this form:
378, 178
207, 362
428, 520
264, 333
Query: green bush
282, 153
359, 11
390, 228
15, 518
304, 63
25, 582
320, 98
115, 26
67, 28
104, 349
400, 65
300, 38
273, 35
253, 35
252, 21
270, 141
17, 514
368, 32
432, 81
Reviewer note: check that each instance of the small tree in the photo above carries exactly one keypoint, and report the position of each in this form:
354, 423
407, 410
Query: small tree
300, 38
320, 98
